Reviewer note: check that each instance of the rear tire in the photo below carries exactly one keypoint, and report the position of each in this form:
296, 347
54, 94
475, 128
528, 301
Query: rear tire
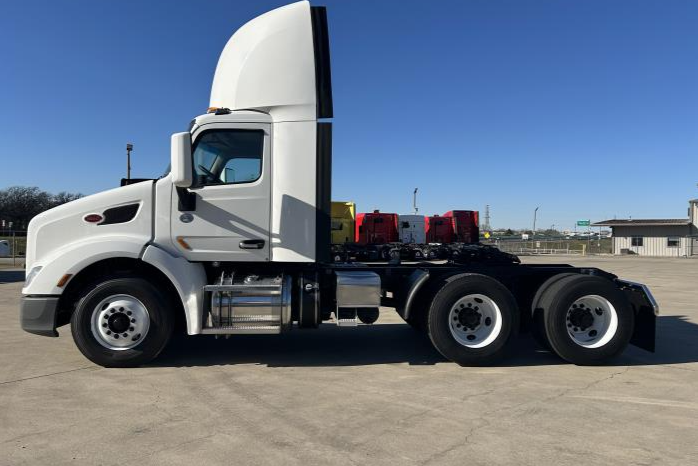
587, 319
538, 324
368, 315
472, 320
122, 322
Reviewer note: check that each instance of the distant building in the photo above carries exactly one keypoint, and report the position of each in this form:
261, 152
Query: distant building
673, 237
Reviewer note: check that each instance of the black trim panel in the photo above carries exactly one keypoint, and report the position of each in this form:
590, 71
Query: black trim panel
323, 192
121, 214
323, 75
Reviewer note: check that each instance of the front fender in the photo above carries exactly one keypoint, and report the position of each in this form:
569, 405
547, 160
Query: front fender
74, 257
187, 277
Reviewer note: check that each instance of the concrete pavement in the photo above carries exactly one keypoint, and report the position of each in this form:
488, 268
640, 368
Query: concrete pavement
372, 395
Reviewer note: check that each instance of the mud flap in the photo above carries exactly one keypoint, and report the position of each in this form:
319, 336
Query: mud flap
646, 310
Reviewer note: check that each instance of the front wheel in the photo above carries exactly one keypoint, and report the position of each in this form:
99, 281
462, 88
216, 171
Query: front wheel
122, 322
472, 320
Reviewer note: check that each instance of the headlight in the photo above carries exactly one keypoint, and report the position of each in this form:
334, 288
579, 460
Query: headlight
30, 276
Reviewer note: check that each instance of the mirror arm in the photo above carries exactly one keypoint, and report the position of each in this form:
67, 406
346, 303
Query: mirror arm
187, 200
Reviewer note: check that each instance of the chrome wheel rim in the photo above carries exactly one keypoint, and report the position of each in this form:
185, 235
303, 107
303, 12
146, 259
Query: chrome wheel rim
120, 322
475, 321
591, 321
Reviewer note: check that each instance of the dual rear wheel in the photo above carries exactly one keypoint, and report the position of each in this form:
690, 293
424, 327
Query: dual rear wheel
584, 319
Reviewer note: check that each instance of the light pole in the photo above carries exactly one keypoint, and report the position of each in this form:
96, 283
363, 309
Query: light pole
129, 148
414, 201
535, 215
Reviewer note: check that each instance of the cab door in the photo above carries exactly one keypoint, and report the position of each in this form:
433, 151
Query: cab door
225, 214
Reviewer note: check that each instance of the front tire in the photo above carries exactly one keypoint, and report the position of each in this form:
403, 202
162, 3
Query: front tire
122, 322
472, 320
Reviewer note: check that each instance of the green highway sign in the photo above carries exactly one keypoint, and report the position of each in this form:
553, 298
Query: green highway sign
583, 223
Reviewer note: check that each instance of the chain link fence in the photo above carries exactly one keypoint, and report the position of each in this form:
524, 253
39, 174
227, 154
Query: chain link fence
13, 248
558, 246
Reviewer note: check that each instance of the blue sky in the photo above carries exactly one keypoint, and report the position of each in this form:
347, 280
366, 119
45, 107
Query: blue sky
586, 108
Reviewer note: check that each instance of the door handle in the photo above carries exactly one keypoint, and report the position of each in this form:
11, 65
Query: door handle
252, 244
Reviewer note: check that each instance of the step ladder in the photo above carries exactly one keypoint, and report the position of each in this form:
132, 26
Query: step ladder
346, 317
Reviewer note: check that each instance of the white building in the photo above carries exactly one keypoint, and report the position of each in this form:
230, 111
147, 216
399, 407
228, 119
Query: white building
674, 237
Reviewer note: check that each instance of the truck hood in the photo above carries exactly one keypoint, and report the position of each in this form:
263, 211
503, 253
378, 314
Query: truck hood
65, 225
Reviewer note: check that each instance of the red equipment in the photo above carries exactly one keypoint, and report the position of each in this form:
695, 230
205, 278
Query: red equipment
376, 228
465, 225
439, 229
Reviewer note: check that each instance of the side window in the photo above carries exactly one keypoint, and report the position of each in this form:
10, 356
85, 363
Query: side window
228, 156
636, 241
673, 242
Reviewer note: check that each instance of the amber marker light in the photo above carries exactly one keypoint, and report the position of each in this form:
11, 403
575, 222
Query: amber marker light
64, 279
183, 243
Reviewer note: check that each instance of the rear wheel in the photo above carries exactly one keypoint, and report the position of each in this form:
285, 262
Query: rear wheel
587, 319
472, 320
122, 322
538, 325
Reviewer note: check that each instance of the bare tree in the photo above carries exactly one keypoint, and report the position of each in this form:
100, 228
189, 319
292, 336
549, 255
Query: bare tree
19, 204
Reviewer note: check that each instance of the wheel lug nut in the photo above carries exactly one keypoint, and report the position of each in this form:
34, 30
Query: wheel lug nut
116, 335
108, 332
125, 335
130, 329
113, 311
128, 313
104, 325
133, 321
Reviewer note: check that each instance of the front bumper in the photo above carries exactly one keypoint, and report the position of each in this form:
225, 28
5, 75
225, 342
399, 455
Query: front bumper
37, 314
646, 312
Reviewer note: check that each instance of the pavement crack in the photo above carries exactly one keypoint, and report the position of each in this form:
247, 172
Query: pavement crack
47, 375
484, 421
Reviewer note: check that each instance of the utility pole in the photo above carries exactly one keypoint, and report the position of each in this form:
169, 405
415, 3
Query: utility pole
414, 201
535, 215
129, 148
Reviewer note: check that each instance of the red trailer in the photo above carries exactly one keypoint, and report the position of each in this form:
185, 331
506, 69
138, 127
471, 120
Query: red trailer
465, 225
376, 228
439, 229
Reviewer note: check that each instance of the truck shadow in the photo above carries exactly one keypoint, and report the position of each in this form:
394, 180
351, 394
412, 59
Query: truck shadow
677, 343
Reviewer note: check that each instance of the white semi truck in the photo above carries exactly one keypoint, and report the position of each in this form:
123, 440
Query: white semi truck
235, 239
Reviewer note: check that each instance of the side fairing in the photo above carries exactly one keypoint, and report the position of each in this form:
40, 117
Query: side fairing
278, 63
